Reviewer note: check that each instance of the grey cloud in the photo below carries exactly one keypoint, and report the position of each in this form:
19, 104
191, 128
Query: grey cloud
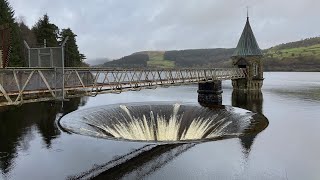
115, 28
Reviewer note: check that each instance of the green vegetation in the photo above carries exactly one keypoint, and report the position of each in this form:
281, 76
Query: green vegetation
7, 17
183, 58
156, 59
43, 29
297, 44
73, 57
301, 55
136, 60
199, 57
310, 93
155, 55
161, 64
294, 52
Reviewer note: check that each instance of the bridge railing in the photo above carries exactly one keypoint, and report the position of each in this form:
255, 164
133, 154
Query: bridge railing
19, 85
15, 84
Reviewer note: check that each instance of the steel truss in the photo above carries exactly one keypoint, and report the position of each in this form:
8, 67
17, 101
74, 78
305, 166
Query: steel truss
24, 85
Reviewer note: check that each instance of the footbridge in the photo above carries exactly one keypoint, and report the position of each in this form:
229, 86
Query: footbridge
25, 85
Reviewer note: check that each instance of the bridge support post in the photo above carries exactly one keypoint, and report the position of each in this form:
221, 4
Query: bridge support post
210, 93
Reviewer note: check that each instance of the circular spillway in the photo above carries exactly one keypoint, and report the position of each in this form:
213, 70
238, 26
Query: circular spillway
163, 122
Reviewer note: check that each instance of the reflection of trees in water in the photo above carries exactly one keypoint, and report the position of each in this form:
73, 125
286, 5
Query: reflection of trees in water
305, 93
253, 101
11, 132
46, 122
17, 123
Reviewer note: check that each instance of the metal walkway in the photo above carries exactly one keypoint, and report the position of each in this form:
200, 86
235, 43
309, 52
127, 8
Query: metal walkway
25, 85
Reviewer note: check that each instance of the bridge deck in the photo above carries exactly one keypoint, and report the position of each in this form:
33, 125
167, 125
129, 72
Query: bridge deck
23, 85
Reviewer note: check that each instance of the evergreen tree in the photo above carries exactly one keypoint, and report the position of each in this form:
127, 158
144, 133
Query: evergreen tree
43, 29
27, 34
7, 17
73, 57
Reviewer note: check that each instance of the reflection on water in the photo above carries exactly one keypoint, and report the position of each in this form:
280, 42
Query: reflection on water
250, 100
307, 93
17, 124
293, 85
287, 149
137, 164
253, 101
142, 162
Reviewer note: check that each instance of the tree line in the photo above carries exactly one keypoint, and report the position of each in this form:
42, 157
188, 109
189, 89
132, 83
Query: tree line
297, 44
132, 61
198, 57
42, 30
181, 58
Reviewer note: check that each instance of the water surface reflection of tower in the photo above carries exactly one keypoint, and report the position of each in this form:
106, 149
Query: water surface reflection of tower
253, 101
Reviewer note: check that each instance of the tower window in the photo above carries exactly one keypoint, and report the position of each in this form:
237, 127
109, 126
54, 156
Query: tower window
255, 70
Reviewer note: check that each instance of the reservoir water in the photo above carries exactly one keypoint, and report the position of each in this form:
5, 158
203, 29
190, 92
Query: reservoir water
33, 146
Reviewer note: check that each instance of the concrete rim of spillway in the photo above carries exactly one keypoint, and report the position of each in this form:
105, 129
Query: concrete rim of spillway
73, 122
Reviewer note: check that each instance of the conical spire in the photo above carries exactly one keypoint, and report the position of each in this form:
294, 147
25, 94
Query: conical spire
247, 45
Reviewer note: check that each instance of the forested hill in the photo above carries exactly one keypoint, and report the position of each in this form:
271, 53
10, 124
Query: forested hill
298, 44
177, 58
42, 30
301, 55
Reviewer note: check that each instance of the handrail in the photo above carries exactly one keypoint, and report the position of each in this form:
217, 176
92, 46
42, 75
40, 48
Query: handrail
20, 85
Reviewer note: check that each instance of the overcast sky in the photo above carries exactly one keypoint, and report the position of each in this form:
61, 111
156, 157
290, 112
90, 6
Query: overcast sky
115, 28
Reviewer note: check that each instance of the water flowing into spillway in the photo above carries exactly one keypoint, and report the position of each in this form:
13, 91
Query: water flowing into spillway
161, 122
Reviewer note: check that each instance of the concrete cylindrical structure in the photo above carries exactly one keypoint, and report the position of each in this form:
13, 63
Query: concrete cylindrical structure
210, 93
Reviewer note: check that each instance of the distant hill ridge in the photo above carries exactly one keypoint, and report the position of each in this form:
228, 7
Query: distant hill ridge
303, 55
298, 44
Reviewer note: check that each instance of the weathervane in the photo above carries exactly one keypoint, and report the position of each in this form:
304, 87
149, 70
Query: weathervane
248, 12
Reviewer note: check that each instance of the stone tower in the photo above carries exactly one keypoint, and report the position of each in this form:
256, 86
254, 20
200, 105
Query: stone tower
248, 56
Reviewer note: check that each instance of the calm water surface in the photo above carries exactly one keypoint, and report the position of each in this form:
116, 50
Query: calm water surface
33, 147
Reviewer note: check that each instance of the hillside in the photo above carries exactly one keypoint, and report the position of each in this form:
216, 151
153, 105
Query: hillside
301, 55
170, 59
157, 59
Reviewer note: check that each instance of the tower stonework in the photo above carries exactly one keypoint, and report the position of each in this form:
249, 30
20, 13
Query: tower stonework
248, 56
